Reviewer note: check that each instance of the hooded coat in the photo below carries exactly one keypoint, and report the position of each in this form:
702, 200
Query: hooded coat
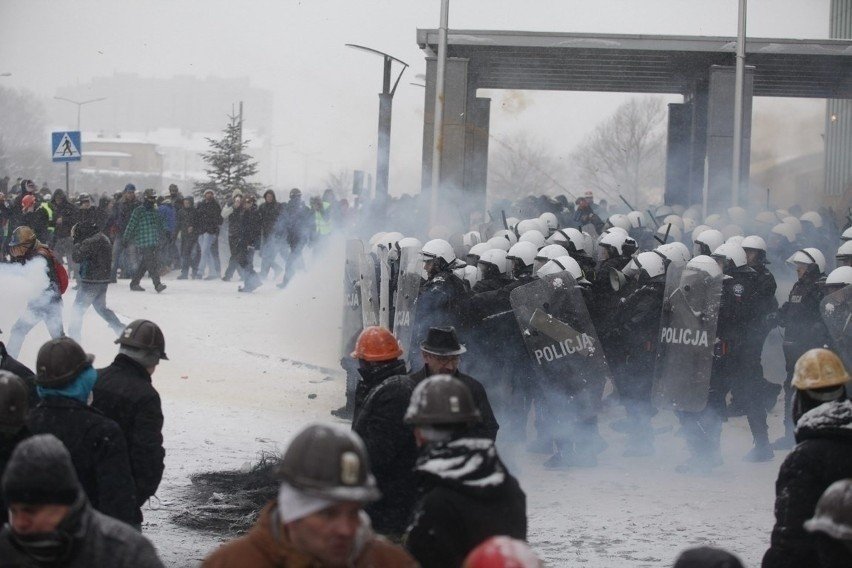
823, 455
467, 496
267, 546
64, 214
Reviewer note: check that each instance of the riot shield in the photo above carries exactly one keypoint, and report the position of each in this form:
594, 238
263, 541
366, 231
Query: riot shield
561, 340
384, 287
369, 290
836, 310
352, 317
407, 289
687, 339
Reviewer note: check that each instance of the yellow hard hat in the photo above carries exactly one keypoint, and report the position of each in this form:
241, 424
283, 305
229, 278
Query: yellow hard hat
819, 368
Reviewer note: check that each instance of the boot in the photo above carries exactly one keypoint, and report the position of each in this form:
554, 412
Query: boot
160, 287
345, 412
183, 276
761, 452
136, 287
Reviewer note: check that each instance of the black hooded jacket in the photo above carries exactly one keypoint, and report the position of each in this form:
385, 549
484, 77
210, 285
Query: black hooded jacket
64, 214
467, 496
823, 455
269, 213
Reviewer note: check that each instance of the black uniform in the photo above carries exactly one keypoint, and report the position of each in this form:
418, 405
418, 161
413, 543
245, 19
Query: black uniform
823, 455
467, 496
125, 394
97, 449
440, 303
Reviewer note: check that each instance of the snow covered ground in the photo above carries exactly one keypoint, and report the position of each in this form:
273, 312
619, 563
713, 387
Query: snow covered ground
245, 372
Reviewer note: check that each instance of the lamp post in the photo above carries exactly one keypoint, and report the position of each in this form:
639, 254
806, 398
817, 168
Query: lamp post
79, 106
385, 106
438, 131
738, 106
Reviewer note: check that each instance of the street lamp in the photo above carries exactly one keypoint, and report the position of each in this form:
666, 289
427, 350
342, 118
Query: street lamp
79, 105
385, 106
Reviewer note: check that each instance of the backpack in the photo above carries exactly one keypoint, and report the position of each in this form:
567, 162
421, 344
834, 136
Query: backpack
58, 269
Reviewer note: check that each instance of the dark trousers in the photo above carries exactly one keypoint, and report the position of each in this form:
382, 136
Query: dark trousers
190, 255
148, 262
92, 294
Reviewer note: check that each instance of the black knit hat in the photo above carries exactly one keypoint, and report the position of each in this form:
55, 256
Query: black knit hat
40, 471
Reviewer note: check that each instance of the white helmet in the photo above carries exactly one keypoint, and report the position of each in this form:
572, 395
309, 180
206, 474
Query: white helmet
732, 252
714, 220
477, 250
469, 273
533, 236
674, 233
512, 222
785, 230
692, 212
409, 242
662, 211
736, 240
698, 230
439, 248
550, 220
767, 218
782, 213
813, 218
501, 243
471, 238
497, 258
389, 240
689, 224
376, 239
523, 251
847, 235
754, 242
678, 209
619, 220
675, 252
840, 275
793, 222
675, 220
738, 215
615, 240
508, 235
844, 252
616, 230
528, 225
637, 219
652, 263
808, 256
705, 264
729, 231
550, 252
711, 238
563, 263
570, 238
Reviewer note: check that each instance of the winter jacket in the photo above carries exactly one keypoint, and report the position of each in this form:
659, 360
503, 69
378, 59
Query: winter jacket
208, 217
9, 363
169, 216
800, 315
95, 258
296, 223
269, 213
145, 227
64, 214
121, 213
467, 496
251, 227
488, 427
94, 215
39, 221
97, 449
98, 542
822, 456
8, 442
372, 377
124, 393
267, 546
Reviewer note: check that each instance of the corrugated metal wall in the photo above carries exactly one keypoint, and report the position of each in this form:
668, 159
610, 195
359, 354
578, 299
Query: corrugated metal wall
838, 116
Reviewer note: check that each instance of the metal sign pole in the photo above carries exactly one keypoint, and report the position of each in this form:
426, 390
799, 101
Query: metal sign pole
738, 107
438, 132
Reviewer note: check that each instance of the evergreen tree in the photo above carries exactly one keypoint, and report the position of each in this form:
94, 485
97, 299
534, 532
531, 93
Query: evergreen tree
230, 166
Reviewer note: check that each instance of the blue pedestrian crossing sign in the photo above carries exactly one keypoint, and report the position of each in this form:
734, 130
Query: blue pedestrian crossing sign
66, 146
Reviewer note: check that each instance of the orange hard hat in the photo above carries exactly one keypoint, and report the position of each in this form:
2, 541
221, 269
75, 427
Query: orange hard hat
502, 552
376, 344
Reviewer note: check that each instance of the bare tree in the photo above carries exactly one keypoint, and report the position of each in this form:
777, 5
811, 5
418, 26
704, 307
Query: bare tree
522, 166
340, 182
626, 153
23, 150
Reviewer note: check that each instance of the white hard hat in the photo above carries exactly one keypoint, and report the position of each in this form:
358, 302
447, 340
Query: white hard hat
738, 215
637, 219
533, 236
439, 248
614, 240
508, 235
675, 220
785, 230
813, 218
847, 235
652, 263
736, 240
676, 252
766, 217
528, 225
754, 242
714, 220
471, 238
840, 275
524, 251
705, 264
793, 222
844, 251
477, 249
711, 238
619, 220
698, 230
616, 230
732, 252
672, 230
729, 231
808, 255
564, 263
497, 258
550, 220
550, 252
570, 237
501, 243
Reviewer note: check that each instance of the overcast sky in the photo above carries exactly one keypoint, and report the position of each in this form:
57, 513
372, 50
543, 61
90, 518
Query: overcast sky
325, 94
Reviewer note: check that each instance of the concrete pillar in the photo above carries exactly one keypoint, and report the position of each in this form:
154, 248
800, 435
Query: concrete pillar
697, 101
838, 120
720, 134
476, 160
677, 154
